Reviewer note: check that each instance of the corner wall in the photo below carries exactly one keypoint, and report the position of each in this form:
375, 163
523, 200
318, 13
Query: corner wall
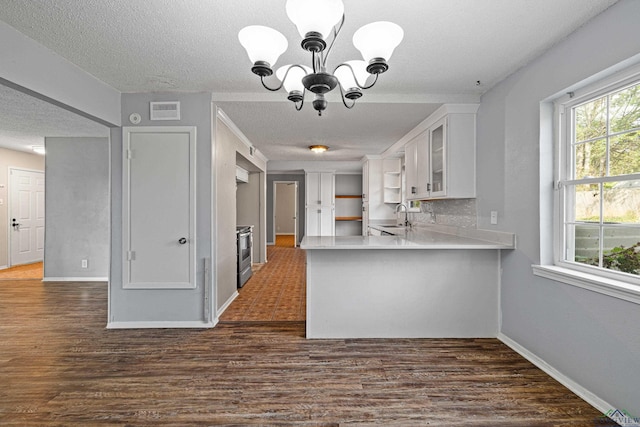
166, 307
591, 339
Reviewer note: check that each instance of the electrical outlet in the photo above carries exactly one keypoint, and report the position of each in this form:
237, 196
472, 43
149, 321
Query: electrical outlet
494, 217
85, 263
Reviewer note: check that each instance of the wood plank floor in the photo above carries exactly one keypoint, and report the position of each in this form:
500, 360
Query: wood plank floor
60, 366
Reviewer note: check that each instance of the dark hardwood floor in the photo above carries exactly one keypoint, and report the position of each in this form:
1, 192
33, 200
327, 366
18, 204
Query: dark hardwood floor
60, 366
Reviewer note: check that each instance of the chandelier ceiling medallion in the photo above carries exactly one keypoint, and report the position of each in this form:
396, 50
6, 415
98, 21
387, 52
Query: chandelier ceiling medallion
319, 23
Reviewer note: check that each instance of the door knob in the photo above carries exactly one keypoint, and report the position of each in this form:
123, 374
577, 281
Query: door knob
182, 241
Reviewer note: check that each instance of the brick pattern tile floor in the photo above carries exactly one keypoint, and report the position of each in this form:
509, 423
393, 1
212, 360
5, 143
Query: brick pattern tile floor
276, 292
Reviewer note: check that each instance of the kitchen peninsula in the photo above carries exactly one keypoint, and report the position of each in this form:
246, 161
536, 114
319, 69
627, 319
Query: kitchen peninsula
428, 282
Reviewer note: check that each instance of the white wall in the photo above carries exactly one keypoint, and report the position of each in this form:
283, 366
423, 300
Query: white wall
590, 338
77, 208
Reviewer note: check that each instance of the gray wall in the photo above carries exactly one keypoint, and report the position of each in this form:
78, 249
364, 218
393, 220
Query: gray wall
77, 208
229, 147
142, 305
301, 197
591, 338
11, 158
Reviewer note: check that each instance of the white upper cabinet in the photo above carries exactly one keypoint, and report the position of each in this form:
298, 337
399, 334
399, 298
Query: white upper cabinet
320, 189
320, 208
440, 162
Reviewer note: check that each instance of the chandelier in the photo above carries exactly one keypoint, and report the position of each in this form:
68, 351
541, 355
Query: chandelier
319, 23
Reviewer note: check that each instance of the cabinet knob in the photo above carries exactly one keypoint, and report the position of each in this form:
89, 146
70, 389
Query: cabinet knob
414, 190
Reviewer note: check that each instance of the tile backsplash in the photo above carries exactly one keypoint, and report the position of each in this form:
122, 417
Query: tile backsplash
459, 213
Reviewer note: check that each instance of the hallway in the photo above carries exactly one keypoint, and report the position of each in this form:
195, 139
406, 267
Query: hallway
276, 292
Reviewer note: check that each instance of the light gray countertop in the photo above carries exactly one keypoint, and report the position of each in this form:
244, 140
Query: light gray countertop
428, 237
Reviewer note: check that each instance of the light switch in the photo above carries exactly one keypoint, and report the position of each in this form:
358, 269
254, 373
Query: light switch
494, 217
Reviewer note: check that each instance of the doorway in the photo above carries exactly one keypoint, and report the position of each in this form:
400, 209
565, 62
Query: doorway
26, 216
285, 213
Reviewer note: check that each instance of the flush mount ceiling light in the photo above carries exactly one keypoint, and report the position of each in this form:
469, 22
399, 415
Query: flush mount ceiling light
318, 148
319, 22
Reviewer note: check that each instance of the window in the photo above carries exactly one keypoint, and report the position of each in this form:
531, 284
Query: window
599, 182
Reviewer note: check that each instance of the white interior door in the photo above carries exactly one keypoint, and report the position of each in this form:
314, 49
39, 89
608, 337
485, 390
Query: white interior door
159, 207
27, 216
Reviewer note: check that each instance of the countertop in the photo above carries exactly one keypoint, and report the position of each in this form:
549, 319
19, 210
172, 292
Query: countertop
427, 237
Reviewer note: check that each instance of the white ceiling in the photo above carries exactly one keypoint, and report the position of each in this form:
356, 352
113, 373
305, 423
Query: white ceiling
192, 45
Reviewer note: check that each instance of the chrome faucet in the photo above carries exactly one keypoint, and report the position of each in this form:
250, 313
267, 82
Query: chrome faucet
406, 213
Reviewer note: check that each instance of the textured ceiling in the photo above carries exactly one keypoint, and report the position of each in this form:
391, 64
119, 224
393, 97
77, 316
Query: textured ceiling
25, 121
192, 45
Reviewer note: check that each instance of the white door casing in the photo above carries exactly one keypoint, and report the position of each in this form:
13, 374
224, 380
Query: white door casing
26, 220
159, 207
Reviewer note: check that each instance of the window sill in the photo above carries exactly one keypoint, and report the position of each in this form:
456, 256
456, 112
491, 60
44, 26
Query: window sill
603, 285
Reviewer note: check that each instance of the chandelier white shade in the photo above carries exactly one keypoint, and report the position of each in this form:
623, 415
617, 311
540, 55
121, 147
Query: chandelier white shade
318, 16
378, 40
319, 22
262, 43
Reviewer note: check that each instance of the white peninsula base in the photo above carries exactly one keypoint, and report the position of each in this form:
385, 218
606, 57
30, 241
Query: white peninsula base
419, 293
424, 282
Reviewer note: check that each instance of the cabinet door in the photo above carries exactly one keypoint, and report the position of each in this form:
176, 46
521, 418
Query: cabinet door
438, 159
327, 221
365, 182
312, 189
410, 165
365, 219
327, 189
320, 221
423, 181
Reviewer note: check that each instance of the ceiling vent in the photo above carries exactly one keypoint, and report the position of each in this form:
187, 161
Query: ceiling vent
164, 110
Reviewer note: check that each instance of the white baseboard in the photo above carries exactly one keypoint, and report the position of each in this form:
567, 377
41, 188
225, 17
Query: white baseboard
227, 304
285, 234
598, 403
271, 243
75, 279
3, 267
159, 324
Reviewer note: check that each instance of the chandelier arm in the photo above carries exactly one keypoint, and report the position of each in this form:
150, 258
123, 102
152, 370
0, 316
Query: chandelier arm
353, 102
344, 64
336, 31
284, 78
301, 102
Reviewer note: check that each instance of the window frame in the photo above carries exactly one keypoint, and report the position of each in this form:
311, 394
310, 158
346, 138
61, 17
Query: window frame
610, 282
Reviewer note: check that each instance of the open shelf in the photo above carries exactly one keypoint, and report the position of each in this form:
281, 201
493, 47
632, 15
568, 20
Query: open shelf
348, 218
